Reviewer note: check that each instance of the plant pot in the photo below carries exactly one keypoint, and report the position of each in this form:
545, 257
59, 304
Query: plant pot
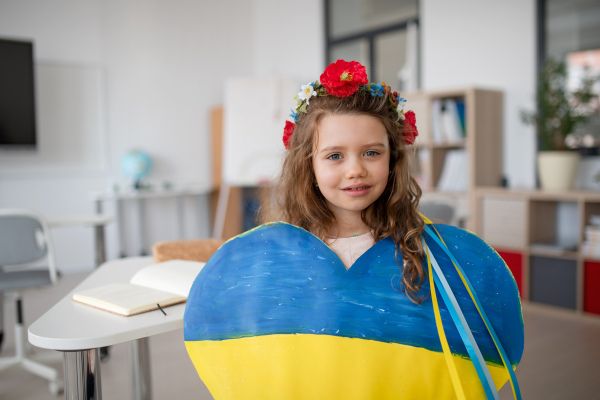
557, 169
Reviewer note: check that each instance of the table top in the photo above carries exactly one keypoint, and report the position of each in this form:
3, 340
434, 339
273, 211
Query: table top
195, 190
79, 220
69, 326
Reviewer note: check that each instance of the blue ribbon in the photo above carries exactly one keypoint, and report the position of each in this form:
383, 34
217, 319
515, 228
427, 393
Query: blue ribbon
492, 332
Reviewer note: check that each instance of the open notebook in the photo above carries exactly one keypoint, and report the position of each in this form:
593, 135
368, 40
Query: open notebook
163, 284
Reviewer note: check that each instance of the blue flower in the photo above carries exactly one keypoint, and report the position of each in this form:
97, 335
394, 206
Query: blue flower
376, 89
294, 115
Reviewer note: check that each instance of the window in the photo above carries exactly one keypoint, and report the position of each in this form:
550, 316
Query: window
380, 34
569, 30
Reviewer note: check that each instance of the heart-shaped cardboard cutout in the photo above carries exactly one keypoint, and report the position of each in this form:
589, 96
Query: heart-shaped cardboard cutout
274, 314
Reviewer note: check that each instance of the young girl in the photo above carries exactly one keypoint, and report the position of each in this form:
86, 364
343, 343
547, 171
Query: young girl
313, 307
346, 175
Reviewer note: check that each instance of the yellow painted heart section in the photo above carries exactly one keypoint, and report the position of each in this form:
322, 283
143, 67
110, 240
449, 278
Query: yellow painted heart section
301, 366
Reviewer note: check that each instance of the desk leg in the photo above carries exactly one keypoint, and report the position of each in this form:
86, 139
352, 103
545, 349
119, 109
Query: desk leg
121, 228
139, 362
141, 203
100, 245
180, 216
82, 375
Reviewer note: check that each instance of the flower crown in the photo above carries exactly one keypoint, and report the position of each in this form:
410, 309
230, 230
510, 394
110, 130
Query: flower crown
343, 79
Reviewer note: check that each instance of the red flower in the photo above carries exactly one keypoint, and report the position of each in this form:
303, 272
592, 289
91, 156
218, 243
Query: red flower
410, 128
287, 133
342, 78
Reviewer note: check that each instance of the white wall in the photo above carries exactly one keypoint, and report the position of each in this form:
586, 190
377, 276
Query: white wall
289, 39
491, 44
163, 66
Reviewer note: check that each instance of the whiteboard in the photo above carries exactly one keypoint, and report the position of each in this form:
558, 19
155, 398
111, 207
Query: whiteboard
69, 120
255, 111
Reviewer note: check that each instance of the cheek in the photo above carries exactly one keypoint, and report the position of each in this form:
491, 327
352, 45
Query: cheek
382, 169
322, 174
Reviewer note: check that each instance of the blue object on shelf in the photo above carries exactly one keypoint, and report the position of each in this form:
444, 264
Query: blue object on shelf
137, 165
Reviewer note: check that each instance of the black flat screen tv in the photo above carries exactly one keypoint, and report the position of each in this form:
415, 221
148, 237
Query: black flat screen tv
17, 95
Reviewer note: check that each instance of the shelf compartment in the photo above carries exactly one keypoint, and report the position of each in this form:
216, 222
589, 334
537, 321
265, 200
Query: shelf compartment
555, 224
503, 222
553, 281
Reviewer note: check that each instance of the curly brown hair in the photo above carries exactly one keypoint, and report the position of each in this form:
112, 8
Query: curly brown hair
295, 199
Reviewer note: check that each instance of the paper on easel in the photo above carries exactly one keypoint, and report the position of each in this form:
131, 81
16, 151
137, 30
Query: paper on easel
163, 284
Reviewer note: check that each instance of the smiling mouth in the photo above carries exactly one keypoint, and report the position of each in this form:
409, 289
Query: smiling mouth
357, 188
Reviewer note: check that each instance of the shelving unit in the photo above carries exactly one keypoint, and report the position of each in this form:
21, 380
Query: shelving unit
482, 142
540, 234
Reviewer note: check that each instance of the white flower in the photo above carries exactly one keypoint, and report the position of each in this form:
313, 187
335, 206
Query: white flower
400, 108
306, 92
401, 104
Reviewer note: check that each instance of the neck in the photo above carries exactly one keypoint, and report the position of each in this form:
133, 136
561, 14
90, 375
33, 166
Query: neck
347, 227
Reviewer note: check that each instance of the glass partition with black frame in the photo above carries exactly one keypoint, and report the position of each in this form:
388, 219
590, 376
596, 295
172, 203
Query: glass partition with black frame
380, 34
569, 31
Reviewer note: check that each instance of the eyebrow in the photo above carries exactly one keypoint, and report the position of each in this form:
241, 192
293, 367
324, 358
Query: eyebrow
337, 148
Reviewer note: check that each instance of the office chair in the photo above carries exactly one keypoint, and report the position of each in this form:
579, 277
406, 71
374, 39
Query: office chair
24, 239
437, 211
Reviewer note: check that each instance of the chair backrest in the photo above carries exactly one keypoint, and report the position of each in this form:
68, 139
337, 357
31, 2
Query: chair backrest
24, 238
189, 249
437, 211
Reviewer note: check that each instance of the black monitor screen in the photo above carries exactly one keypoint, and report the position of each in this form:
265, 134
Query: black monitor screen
17, 98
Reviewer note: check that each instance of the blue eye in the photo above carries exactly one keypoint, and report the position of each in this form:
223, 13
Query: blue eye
334, 157
371, 153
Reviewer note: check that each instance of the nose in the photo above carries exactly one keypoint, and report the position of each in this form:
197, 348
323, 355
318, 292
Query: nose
355, 169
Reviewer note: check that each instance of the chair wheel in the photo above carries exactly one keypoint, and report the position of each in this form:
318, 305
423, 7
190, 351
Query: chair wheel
56, 387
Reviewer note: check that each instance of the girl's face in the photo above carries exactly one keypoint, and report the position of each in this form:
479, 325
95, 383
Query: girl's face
351, 162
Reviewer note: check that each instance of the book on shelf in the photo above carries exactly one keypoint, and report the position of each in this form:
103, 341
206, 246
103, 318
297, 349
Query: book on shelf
590, 247
590, 250
460, 108
451, 123
151, 288
592, 233
455, 173
437, 134
447, 120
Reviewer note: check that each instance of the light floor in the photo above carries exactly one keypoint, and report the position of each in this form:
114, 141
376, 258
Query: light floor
561, 359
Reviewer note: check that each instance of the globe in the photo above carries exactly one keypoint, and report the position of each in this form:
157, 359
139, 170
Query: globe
136, 165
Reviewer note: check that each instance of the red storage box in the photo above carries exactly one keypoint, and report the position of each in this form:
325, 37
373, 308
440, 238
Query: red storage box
591, 287
515, 264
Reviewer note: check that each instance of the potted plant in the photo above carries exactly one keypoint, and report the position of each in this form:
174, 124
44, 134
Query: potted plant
560, 112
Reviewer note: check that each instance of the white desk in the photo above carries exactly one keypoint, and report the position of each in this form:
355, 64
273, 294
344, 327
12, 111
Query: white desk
79, 330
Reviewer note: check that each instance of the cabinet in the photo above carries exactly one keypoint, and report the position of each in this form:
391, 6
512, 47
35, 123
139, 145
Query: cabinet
540, 235
480, 143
